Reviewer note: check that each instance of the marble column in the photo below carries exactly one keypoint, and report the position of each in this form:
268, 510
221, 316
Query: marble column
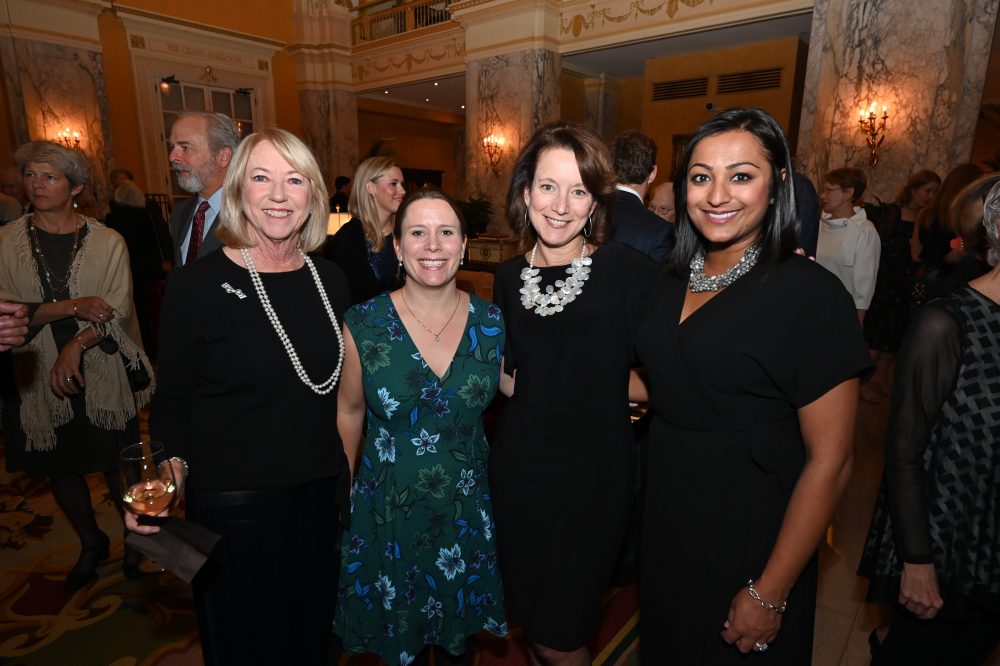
924, 60
51, 87
328, 106
601, 105
493, 109
330, 127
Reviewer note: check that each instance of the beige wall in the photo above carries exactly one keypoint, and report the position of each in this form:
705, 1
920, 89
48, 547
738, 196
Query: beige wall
663, 120
419, 139
270, 20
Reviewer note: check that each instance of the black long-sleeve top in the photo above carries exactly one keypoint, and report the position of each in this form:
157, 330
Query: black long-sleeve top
228, 399
926, 372
368, 273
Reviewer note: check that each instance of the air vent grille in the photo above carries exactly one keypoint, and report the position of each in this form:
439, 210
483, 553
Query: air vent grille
679, 89
758, 80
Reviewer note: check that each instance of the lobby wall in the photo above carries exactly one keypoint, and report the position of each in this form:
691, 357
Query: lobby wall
416, 138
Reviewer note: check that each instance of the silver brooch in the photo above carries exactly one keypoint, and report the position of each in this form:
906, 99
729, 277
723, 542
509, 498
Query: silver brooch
230, 290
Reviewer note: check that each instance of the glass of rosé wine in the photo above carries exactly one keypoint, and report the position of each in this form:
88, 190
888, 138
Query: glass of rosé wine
148, 484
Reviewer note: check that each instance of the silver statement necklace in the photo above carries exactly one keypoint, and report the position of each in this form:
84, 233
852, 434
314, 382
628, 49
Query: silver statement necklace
700, 282
562, 293
322, 388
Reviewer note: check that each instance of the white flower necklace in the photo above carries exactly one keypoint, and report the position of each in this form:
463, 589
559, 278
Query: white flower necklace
258, 285
556, 296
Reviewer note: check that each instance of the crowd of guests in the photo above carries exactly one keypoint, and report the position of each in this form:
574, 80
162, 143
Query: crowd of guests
322, 400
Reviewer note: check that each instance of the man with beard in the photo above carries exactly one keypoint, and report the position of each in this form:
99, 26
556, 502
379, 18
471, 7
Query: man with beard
201, 146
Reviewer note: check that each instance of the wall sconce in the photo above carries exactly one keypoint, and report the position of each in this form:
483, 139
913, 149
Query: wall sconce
166, 82
69, 138
493, 147
872, 126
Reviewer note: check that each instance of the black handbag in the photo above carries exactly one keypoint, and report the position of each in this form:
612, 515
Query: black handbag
138, 378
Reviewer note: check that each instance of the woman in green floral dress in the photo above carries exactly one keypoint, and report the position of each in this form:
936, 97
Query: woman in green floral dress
418, 565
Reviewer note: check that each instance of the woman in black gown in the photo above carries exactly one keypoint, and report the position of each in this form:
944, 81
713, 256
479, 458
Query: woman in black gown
889, 312
363, 247
933, 539
753, 354
560, 463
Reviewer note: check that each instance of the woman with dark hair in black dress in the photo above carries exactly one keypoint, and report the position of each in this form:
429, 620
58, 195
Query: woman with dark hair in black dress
753, 354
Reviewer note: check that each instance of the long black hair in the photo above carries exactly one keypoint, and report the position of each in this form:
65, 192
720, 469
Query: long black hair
777, 236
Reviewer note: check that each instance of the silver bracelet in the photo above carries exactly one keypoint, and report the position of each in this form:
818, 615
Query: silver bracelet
183, 463
766, 605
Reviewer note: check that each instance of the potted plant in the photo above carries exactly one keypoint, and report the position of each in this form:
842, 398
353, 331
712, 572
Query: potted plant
478, 214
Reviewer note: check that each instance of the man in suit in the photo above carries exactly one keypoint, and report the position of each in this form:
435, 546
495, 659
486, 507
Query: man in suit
634, 156
201, 147
12, 186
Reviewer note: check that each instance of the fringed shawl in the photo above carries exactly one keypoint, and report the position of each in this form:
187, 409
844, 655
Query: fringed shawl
100, 268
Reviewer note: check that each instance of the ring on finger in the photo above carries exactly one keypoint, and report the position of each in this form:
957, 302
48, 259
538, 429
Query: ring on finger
761, 647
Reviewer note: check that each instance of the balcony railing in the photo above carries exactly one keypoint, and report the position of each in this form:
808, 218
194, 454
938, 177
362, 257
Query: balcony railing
378, 20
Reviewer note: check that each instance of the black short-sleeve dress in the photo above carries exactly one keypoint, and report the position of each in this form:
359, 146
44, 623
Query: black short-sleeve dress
725, 450
560, 462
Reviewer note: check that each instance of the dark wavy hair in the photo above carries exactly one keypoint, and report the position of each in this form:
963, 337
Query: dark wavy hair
594, 162
777, 236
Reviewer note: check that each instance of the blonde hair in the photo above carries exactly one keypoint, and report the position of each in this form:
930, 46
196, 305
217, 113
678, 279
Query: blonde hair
234, 228
362, 204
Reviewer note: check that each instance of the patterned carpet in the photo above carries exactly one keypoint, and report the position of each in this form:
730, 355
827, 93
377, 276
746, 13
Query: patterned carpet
150, 622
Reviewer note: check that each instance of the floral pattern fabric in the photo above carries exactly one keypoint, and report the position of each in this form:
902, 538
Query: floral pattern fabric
419, 564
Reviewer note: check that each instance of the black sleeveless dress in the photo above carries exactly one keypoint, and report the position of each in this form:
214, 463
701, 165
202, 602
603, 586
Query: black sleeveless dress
940, 500
560, 459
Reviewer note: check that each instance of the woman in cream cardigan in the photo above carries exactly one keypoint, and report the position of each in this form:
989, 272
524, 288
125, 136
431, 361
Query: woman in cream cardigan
71, 408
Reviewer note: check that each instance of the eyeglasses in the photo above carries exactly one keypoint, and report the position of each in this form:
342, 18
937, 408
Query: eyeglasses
661, 210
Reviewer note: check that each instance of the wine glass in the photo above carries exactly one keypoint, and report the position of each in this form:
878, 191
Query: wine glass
148, 484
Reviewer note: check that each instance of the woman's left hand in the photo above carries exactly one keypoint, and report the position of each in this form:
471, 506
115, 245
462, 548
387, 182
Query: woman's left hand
65, 377
749, 624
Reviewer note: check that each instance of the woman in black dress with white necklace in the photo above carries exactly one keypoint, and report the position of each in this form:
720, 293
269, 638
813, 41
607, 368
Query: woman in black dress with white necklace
560, 464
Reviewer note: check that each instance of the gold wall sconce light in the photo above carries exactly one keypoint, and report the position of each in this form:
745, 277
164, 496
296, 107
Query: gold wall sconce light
69, 138
493, 145
872, 126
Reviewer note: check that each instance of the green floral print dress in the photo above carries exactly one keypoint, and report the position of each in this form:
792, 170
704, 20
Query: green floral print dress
418, 564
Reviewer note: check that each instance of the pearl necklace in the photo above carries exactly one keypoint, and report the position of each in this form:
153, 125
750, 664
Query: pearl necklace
700, 282
258, 285
557, 296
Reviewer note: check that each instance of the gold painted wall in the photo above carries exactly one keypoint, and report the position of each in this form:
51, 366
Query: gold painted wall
663, 120
419, 139
573, 101
630, 104
271, 20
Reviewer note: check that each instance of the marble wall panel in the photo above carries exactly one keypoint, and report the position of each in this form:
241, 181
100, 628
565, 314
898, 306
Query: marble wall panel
330, 127
492, 109
601, 97
50, 87
924, 60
